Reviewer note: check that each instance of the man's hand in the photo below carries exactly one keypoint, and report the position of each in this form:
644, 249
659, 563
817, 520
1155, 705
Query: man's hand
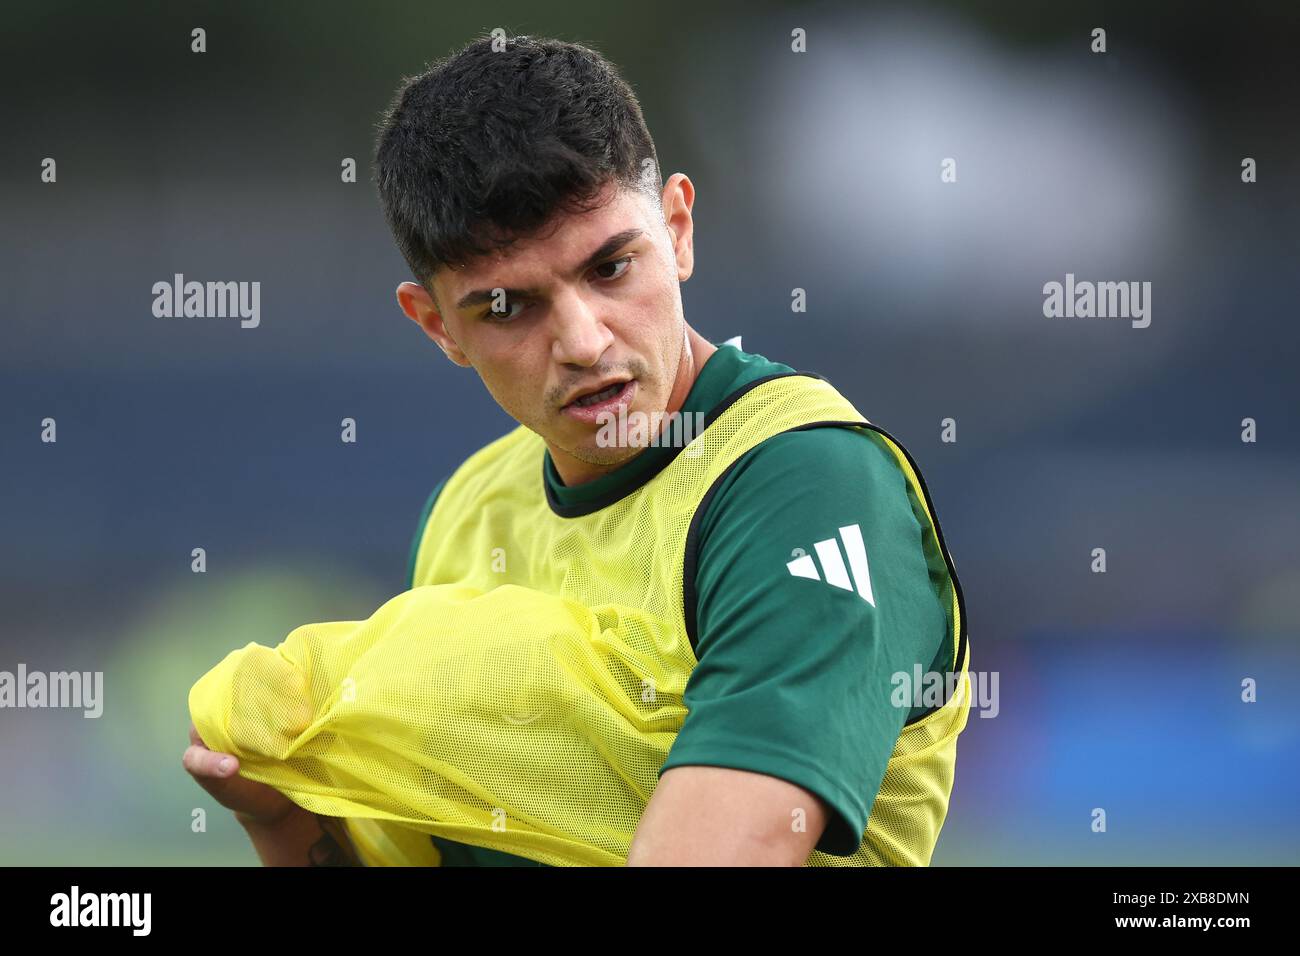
283, 833
716, 816
218, 773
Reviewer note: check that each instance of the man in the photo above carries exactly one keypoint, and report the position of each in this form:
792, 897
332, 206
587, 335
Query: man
785, 554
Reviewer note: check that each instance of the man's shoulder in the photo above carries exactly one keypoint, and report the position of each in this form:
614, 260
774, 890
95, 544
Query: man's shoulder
797, 466
495, 456
806, 490
738, 370
518, 446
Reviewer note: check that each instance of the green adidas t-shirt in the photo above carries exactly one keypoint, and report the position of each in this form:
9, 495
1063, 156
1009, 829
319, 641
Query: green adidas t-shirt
794, 673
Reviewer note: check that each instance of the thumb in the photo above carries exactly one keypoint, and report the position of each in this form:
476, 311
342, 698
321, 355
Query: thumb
212, 764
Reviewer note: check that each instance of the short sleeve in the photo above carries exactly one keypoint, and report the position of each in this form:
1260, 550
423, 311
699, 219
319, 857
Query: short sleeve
813, 589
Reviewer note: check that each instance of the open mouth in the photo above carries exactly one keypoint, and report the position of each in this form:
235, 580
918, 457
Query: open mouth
589, 408
595, 398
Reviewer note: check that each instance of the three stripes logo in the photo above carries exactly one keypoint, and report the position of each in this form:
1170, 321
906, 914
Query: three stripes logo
832, 563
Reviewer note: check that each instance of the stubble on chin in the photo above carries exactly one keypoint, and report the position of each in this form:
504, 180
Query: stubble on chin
593, 454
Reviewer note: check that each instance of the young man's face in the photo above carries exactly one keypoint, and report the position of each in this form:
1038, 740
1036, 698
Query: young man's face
593, 300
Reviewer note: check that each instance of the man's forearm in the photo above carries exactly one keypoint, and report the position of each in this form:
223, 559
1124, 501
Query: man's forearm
302, 838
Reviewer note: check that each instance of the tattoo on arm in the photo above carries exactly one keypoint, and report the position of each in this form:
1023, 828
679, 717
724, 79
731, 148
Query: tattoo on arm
333, 848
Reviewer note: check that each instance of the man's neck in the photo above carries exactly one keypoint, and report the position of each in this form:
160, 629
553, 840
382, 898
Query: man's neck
695, 352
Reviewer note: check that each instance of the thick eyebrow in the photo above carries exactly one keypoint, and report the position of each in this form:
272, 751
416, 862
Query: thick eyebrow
607, 248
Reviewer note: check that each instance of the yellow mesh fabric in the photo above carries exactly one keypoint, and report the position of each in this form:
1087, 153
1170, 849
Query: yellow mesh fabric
525, 693
472, 716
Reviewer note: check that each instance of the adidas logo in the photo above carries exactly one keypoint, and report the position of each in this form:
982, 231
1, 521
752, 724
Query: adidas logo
832, 562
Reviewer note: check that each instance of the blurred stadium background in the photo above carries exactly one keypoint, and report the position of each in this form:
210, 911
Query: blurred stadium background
817, 171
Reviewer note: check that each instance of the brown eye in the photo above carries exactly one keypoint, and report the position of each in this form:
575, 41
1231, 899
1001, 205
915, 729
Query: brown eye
507, 316
625, 261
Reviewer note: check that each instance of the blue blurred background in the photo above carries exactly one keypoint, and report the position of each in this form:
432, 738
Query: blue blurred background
818, 171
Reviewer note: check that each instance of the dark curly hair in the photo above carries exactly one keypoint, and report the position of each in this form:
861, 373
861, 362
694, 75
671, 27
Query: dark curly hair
488, 144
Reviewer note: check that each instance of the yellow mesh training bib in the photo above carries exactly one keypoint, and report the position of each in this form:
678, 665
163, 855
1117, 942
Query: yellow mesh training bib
525, 693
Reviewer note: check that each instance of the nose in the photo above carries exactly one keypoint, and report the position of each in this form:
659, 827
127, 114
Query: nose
580, 336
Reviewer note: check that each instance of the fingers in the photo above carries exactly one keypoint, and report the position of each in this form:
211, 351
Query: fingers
194, 736
202, 762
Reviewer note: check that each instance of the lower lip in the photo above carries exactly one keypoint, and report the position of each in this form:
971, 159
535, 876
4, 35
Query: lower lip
588, 414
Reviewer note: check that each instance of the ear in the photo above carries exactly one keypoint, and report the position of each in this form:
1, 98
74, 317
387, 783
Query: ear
420, 308
678, 198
